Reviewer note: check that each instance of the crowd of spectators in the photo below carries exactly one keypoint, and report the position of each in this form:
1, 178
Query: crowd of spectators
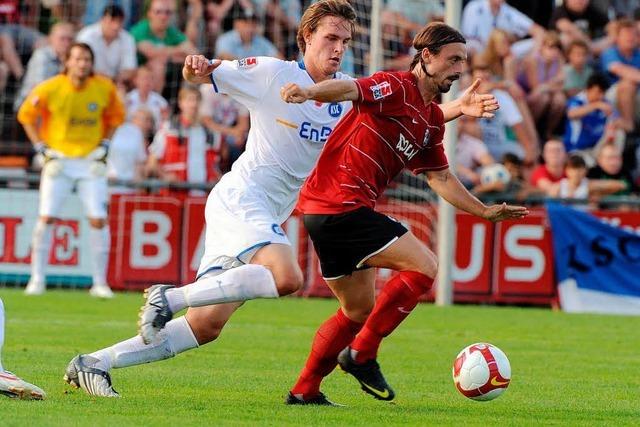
566, 78
568, 89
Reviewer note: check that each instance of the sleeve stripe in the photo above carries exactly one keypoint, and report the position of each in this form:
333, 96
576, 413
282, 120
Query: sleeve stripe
360, 92
213, 82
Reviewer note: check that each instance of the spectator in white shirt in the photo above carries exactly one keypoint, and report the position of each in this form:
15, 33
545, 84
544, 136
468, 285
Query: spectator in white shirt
144, 96
128, 151
114, 47
480, 17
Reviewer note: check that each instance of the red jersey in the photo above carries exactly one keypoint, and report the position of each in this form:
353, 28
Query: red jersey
388, 128
541, 172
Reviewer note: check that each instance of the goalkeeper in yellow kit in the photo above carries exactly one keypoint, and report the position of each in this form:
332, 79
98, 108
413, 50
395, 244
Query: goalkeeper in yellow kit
69, 119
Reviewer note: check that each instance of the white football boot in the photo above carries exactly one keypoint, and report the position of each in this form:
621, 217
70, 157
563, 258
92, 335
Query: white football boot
155, 313
101, 291
81, 373
16, 388
35, 288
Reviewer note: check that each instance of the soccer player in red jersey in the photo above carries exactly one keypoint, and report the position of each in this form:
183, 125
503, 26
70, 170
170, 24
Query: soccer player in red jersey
394, 124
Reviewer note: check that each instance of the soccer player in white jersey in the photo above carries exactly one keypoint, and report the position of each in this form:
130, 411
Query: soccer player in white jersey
247, 255
11, 385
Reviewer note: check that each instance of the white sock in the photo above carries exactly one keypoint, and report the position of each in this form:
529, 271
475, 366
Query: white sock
1, 331
175, 338
40, 247
237, 284
100, 239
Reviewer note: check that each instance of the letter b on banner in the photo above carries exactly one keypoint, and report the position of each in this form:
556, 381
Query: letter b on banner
147, 233
150, 246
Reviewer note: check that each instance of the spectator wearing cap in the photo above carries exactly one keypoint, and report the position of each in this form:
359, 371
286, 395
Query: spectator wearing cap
116, 48
244, 41
159, 42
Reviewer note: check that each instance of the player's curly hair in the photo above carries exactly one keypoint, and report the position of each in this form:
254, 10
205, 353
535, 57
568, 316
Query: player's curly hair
317, 11
433, 37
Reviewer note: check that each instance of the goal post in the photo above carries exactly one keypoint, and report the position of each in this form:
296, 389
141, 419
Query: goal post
446, 212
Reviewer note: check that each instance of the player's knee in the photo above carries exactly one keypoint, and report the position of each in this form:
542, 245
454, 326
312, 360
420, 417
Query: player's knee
358, 313
204, 328
289, 282
428, 268
419, 282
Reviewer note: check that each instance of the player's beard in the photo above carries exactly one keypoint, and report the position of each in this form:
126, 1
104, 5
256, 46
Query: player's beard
446, 84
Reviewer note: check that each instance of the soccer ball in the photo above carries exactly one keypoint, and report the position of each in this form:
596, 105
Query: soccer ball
494, 173
481, 371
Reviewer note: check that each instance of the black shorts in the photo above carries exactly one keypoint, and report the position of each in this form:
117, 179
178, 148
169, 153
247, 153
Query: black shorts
345, 241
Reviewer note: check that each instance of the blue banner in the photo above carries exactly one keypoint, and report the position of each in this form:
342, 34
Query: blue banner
597, 264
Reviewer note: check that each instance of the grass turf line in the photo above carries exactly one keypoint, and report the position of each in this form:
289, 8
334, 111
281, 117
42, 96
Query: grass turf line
573, 369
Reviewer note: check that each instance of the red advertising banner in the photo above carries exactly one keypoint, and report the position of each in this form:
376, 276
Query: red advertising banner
161, 240
473, 256
524, 259
146, 241
193, 234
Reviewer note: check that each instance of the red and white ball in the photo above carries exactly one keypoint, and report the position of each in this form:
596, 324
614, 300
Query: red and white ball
481, 371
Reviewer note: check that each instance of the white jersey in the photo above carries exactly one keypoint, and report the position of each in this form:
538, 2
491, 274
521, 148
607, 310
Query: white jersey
284, 140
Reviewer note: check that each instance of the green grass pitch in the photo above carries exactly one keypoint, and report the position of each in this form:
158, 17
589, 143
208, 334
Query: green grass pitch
567, 369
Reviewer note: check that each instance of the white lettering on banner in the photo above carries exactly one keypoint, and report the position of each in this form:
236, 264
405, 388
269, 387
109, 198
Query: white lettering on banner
472, 271
524, 252
158, 238
198, 252
68, 235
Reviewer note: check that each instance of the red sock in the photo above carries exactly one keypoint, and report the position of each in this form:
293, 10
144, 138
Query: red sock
394, 303
332, 337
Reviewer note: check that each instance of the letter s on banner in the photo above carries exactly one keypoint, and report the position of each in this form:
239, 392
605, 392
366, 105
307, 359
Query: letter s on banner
524, 252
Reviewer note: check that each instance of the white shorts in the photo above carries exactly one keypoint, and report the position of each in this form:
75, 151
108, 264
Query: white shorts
239, 223
60, 176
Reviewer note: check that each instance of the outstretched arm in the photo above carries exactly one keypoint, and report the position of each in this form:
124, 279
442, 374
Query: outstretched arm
449, 187
333, 90
197, 68
471, 103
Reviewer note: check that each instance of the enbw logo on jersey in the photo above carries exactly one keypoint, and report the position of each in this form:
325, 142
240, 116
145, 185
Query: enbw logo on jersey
335, 109
314, 134
92, 106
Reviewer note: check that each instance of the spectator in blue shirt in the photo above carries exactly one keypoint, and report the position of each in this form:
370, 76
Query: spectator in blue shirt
621, 62
244, 41
592, 120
